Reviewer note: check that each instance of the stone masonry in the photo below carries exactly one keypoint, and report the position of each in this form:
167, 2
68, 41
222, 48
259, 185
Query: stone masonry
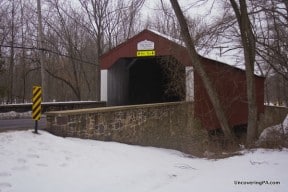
168, 125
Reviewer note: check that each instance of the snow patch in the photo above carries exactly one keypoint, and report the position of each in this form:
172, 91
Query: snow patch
280, 128
275, 135
285, 124
46, 163
15, 115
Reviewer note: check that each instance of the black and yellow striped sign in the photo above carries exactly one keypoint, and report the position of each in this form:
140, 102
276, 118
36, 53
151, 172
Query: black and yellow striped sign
36, 106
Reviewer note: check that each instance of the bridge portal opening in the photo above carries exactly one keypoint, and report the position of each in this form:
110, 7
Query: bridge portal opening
143, 80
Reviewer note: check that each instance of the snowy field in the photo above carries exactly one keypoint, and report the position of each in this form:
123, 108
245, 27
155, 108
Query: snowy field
47, 163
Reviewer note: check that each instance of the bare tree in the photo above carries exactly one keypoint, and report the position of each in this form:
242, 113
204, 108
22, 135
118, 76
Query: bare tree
165, 22
67, 37
270, 24
272, 34
202, 73
44, 82
11, 60
249, 44
72, 37
102, 17
14, 41
124, 22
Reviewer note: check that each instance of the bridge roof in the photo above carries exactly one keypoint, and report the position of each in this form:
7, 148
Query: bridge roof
163, 46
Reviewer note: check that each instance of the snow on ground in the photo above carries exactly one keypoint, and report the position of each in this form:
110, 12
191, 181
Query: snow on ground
30, 162
269, 133
15, 115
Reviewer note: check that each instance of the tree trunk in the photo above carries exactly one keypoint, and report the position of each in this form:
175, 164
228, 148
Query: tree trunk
201, 72
41, 54
11, 63
248, 42
98, 70
23, 62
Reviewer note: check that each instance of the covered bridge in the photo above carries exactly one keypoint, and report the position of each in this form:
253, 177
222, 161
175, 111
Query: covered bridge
154, 68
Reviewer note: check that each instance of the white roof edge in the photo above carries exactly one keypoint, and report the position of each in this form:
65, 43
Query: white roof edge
178, 41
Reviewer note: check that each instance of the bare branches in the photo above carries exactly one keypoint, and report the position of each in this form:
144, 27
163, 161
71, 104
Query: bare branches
48, 51
201, 72
74, 37
248, 42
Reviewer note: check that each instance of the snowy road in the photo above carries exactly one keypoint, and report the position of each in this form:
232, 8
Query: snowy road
10, 124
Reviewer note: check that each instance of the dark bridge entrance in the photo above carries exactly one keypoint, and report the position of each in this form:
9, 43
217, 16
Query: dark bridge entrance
145, 80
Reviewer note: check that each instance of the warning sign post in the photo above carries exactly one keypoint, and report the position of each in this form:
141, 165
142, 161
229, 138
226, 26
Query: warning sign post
36, 105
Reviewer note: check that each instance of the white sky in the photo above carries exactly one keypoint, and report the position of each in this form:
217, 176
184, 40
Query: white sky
207, 9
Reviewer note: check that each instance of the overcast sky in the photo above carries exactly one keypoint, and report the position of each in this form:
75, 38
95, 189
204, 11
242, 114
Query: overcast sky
206, 9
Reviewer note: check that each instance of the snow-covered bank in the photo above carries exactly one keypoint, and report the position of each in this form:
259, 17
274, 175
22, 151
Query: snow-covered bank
15, 115
45, 162
275, 136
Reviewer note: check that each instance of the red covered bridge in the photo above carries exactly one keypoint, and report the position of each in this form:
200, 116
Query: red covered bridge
132, 73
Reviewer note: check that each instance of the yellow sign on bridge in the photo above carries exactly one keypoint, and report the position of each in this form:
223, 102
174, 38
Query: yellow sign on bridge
146, 53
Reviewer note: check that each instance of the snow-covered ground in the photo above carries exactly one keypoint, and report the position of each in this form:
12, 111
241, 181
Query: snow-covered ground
30, 162
15, 115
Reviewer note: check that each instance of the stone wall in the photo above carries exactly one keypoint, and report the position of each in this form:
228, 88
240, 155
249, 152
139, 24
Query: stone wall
167, 125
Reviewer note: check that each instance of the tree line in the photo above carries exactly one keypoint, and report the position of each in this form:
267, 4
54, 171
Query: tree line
75, 34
